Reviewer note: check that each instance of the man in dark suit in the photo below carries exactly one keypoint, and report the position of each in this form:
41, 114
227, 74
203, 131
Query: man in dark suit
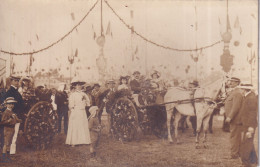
62, 108
18, 108
107, 99
13, 92
248, 116
232, 106
135, 86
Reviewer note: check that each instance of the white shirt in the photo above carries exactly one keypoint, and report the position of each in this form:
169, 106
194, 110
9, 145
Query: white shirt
123, 86
54, 105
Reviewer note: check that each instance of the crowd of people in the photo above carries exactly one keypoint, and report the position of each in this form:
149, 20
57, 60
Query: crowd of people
81, 105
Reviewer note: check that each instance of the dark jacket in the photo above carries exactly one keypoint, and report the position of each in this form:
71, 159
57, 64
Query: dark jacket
232, 105
249, 111
19, 106
135, 86
61, 99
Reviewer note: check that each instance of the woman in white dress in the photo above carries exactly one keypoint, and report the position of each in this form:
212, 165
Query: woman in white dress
78, 131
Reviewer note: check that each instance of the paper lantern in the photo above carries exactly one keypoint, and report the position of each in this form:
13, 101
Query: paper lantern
227, 36
249, 44
101, 40
236, 43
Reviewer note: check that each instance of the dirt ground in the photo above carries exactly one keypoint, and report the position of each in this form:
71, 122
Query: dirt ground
148, 151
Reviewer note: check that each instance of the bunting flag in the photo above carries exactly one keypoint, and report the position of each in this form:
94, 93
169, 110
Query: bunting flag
220, 26
196, 23
72, 16
236, 24
108, 31
31, 59
94, 36
136, 50
37, 37
76, 53
94, 33
13, 66
253, 16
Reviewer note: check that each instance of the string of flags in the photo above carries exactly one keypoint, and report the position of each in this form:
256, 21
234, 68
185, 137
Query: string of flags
108, 32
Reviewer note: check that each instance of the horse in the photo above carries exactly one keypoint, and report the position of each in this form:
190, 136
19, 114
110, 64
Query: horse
202, 105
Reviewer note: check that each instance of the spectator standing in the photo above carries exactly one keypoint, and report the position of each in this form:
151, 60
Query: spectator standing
94, 128
232, 106
135, 86
18, 107
96, 93
78, 131
9, 119
248, 115
2, 96
62, 108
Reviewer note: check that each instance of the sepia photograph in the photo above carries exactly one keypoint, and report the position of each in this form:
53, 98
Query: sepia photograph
129, 83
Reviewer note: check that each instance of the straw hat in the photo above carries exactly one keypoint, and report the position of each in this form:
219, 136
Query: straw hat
235, 79
10, 100
13, 77
246, 86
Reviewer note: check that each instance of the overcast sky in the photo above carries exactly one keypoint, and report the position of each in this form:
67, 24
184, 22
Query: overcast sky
28, 25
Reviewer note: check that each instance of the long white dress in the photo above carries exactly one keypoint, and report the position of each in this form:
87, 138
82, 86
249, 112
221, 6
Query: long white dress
78, 131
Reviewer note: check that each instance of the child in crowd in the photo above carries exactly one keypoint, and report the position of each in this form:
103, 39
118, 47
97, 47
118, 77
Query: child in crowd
94, 128
9, 119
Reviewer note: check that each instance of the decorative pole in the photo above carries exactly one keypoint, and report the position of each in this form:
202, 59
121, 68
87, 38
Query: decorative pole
226, 59
101, 60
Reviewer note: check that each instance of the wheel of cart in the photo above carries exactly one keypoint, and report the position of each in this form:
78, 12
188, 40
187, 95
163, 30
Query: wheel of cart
124, 119
40, 125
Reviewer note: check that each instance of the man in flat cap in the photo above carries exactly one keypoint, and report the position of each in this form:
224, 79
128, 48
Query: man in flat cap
232, 106
248, 115
18, 107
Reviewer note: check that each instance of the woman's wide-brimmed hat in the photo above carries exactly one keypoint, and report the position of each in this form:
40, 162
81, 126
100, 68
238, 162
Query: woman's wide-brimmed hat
110, 81
136, 72
77, 80
157, 73
96, 85
124, 77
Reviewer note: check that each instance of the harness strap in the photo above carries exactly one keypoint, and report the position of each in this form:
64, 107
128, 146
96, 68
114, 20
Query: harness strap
185, 101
